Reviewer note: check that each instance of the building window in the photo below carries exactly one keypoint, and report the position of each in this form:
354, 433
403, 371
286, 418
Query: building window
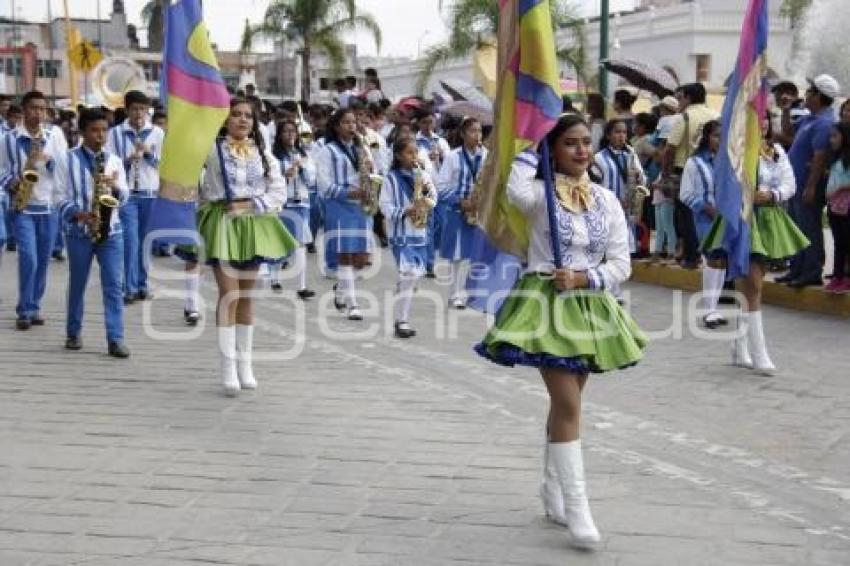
47, 69
13, 67
151, 70
273, 86
703, 68
324, 83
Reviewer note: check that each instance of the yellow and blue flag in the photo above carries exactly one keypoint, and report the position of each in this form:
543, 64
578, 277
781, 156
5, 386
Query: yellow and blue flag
197, 104
737, 163
528, 104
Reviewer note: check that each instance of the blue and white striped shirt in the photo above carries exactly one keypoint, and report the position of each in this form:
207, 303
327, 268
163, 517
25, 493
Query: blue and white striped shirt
396, 197
77, 180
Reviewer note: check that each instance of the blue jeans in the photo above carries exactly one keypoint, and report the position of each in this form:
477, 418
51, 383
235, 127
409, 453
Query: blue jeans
134, 221
35, 235
59, 243
808, 264
8, 219
110, 255
665, 227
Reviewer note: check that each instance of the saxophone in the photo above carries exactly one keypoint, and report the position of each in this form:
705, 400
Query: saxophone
24, 187
471, 216
103, 203
636, 193
370, 183
422, 203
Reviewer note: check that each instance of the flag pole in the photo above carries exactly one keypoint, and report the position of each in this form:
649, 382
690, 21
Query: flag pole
72, 72
549, 182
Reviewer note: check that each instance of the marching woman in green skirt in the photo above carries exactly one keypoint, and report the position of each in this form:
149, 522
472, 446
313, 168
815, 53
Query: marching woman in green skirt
241, 195
565, 322
773, 235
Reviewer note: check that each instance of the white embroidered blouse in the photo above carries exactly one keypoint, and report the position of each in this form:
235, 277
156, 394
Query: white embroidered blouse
245, 177
595, 241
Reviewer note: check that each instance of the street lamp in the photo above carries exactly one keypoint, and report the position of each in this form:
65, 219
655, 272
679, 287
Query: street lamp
419, 43
604, 13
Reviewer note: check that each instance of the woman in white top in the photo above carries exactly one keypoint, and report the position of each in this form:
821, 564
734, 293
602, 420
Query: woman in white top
565, 322
299, 171
240, 198
773, 235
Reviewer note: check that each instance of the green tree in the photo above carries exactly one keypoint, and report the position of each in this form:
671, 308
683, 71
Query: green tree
794, 10
316, 26
473, 23
152, 18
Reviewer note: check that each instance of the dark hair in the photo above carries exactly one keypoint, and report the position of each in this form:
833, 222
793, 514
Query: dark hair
340, 82
371, 73
14, 109
694, 91
844, 105
705, 135
158, 115
278, 149
357, 104
624, 98
89, 116
467, 123
333, 124
376, 110
351, 80
647, 120
605, 142
565, 122
136, 97
255, 130
398, 146
385, 103
843, 154
596, 106
786, 87
32, 95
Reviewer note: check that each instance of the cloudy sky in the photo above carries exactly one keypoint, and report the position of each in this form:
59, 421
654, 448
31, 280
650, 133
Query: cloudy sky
406, 24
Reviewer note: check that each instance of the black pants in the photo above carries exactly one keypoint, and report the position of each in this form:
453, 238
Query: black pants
686, 232
840, 226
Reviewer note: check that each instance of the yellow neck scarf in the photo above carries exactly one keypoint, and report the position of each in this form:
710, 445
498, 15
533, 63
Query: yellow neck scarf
240, 149
574, 194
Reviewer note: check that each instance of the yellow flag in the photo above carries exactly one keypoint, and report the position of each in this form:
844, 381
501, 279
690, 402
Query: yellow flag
82, 54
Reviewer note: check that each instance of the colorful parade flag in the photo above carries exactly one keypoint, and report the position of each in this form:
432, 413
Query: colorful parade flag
197, 104
737, 163
528, 104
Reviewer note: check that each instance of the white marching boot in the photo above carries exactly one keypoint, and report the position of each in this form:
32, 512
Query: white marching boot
567, 461
740, 345
244, 348
227, 359
755, 334
550, 490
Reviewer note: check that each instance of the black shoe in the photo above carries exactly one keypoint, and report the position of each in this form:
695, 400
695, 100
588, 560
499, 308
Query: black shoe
404, 330
311, 248
340, 306
784, 279
727, 300
714, 320
277, 287
58, 256
73, 343
118, 350
690, 265
191, 317
162, 252
305, 294
129, 299
800, 283
23, 324
430, 274
144, 296
11, 247
37, 321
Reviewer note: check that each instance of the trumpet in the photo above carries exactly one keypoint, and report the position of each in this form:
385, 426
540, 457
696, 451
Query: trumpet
103, 203
422, 203
305, 132
370, 183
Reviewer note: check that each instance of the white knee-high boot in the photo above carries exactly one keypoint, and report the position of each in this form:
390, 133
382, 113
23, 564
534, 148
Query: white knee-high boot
244, 356
300, 263
550, 490
740, 345
227, 359
193, 284
567, 461
712, 287
758, 348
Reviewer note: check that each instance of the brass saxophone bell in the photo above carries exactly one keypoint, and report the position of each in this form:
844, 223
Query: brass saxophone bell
108, 201
30, 176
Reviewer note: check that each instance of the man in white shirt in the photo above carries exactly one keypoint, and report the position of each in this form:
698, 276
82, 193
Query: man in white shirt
138, 143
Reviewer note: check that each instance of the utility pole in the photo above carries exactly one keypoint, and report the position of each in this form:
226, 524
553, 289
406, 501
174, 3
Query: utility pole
17, 57
604, 14
99, 28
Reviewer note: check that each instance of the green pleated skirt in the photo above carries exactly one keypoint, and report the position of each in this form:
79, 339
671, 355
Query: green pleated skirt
773, 235
242, 241
581, 331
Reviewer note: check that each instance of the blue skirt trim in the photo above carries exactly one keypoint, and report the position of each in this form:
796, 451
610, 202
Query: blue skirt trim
511, 356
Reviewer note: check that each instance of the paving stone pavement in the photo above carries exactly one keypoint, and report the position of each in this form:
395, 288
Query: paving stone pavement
369, 451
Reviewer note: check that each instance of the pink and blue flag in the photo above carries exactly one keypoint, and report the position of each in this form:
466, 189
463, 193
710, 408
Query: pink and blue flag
737, 163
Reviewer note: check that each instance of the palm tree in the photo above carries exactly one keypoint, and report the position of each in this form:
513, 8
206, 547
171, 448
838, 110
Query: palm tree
795, 11
152, 19
474, 23
317, 26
